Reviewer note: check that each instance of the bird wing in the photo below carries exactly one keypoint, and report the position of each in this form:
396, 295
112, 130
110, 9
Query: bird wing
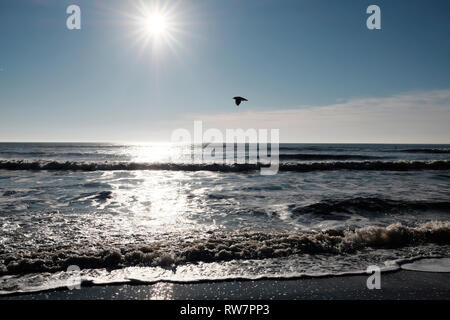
238, 102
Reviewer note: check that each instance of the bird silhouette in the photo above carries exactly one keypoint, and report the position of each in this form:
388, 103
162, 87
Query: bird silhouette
238, 100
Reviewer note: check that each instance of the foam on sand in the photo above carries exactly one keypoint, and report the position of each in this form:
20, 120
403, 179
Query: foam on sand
220, 246
428, 265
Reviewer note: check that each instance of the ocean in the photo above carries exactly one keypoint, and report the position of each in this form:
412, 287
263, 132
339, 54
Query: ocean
118, 213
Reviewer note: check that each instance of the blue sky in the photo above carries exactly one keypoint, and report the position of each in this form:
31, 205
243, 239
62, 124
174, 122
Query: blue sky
101, 83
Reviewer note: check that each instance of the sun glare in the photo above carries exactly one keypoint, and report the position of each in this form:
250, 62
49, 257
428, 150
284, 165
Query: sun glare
156, 24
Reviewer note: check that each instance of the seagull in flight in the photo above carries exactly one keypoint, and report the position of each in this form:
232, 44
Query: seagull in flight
238, 100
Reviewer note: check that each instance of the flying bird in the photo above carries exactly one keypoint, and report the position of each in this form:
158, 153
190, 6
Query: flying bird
238, 100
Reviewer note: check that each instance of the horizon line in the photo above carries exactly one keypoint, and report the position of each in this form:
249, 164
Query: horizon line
169, 142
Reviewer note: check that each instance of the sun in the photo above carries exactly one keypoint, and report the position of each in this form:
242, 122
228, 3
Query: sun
157, 29
156, 24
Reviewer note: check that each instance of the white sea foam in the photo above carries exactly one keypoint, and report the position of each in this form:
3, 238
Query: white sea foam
428, 265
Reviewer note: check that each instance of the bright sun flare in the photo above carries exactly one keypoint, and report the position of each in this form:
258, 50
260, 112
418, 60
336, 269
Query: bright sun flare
156, 24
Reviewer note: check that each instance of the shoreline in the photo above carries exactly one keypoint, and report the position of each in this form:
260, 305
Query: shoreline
397, 285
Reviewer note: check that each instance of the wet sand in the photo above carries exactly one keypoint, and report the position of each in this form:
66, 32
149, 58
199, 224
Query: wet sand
401, 285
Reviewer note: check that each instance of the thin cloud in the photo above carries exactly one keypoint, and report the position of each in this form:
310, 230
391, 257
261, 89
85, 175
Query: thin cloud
418, 117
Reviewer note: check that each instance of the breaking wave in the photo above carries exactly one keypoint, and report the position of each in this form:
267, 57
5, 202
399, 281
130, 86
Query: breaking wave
220, 246
311, 156
425, 150
362, 205
56, 154
293, 167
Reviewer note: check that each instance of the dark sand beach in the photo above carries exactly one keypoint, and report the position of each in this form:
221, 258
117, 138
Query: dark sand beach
400, 285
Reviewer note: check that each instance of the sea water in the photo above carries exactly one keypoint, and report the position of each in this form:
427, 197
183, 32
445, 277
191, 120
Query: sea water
146, 213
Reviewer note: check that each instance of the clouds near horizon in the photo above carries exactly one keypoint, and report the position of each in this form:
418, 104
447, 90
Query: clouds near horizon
414, 117
418, 117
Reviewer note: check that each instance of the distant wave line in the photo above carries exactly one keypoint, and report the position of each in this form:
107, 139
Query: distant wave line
284, 166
